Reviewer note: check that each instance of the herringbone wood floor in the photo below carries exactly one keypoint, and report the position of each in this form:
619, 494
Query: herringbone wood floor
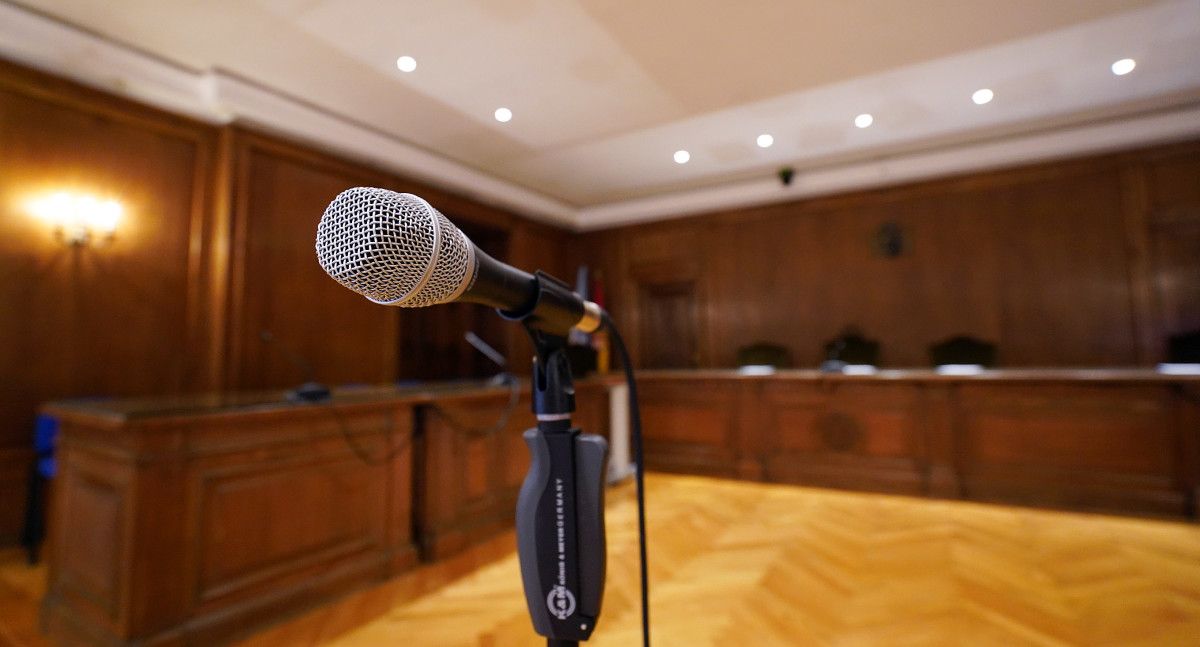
749, 564
742, 563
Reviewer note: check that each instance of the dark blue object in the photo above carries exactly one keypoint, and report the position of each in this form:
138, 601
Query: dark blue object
45, 435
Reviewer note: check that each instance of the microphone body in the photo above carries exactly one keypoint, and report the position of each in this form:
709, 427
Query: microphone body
396, 249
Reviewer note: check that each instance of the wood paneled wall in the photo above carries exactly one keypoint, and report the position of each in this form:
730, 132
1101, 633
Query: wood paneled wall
216, 246
278, 192
1080, 262
116, 319
1087, 262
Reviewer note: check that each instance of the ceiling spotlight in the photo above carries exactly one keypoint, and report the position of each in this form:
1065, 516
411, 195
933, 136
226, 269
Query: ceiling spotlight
764, 140
682, 157
503, 115
1123, 66
406, 63
864, 120
982, 96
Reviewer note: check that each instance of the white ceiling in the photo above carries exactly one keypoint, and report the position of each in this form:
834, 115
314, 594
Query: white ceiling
604, 91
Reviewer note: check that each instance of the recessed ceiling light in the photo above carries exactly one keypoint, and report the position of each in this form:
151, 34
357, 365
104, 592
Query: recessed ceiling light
682, 157
764, 140
982, 96
1123, 66
864, 120
503, 115
406, 63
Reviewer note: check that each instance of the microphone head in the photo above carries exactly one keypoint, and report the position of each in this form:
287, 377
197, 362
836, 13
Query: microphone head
394, 248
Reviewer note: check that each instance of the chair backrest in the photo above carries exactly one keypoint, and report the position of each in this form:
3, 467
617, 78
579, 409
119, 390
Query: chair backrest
853, 348
45, 437
1184, 348
963, 350
764, 354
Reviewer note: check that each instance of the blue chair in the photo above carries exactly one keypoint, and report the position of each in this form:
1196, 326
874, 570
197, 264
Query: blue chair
45, 434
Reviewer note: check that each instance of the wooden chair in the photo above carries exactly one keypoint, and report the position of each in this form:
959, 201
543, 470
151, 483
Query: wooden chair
852, 348
963, 350
764, 354
1184, 348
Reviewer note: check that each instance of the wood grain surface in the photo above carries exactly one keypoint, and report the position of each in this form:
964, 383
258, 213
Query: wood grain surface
741, 563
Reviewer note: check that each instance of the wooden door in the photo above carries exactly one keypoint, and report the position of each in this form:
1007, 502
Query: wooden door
668, 327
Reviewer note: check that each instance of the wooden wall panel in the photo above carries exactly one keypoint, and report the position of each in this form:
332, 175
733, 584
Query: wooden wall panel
850, 435
1174, 218
112, 319
1122, 440
197, 524
280, 193
691, 427
250, 537
1043, 260
1065, 296
93, 560
472, 470
1100, 446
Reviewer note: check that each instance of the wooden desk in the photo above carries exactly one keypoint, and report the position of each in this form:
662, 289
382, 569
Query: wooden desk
196, 520
470, 473
1118, 440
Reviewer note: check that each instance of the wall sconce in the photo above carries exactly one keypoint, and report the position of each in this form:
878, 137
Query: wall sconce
78, 219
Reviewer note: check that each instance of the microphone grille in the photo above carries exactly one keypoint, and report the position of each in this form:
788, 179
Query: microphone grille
394, 248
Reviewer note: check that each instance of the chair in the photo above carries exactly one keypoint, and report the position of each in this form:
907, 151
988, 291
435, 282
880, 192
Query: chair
852, 348
40, 472
963, 350
1184, 348
764, 354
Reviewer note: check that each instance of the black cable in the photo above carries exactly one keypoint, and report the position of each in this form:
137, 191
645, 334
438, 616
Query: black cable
514, 397
635, 418
362, 454
366, 457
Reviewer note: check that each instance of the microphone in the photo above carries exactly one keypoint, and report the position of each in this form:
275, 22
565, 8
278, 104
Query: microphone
396, 249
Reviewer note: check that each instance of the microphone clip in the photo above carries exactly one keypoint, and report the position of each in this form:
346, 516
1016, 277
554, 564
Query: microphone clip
555, 309
553, 388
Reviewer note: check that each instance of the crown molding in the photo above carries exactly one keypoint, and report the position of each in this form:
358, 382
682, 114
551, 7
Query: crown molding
219, 97
251, 103
1071, 141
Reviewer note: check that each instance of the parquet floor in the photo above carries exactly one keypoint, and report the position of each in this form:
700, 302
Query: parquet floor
21, 590
750, 564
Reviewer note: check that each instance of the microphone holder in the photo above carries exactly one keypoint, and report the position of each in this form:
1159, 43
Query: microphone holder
560, 510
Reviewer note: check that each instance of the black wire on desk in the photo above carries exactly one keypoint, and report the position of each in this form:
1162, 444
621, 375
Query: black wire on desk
358, 450
635, 418
514, 396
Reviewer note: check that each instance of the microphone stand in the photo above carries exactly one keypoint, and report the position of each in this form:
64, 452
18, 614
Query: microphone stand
560, 510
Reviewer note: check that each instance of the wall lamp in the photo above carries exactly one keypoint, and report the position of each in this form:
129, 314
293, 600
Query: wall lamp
78, 219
